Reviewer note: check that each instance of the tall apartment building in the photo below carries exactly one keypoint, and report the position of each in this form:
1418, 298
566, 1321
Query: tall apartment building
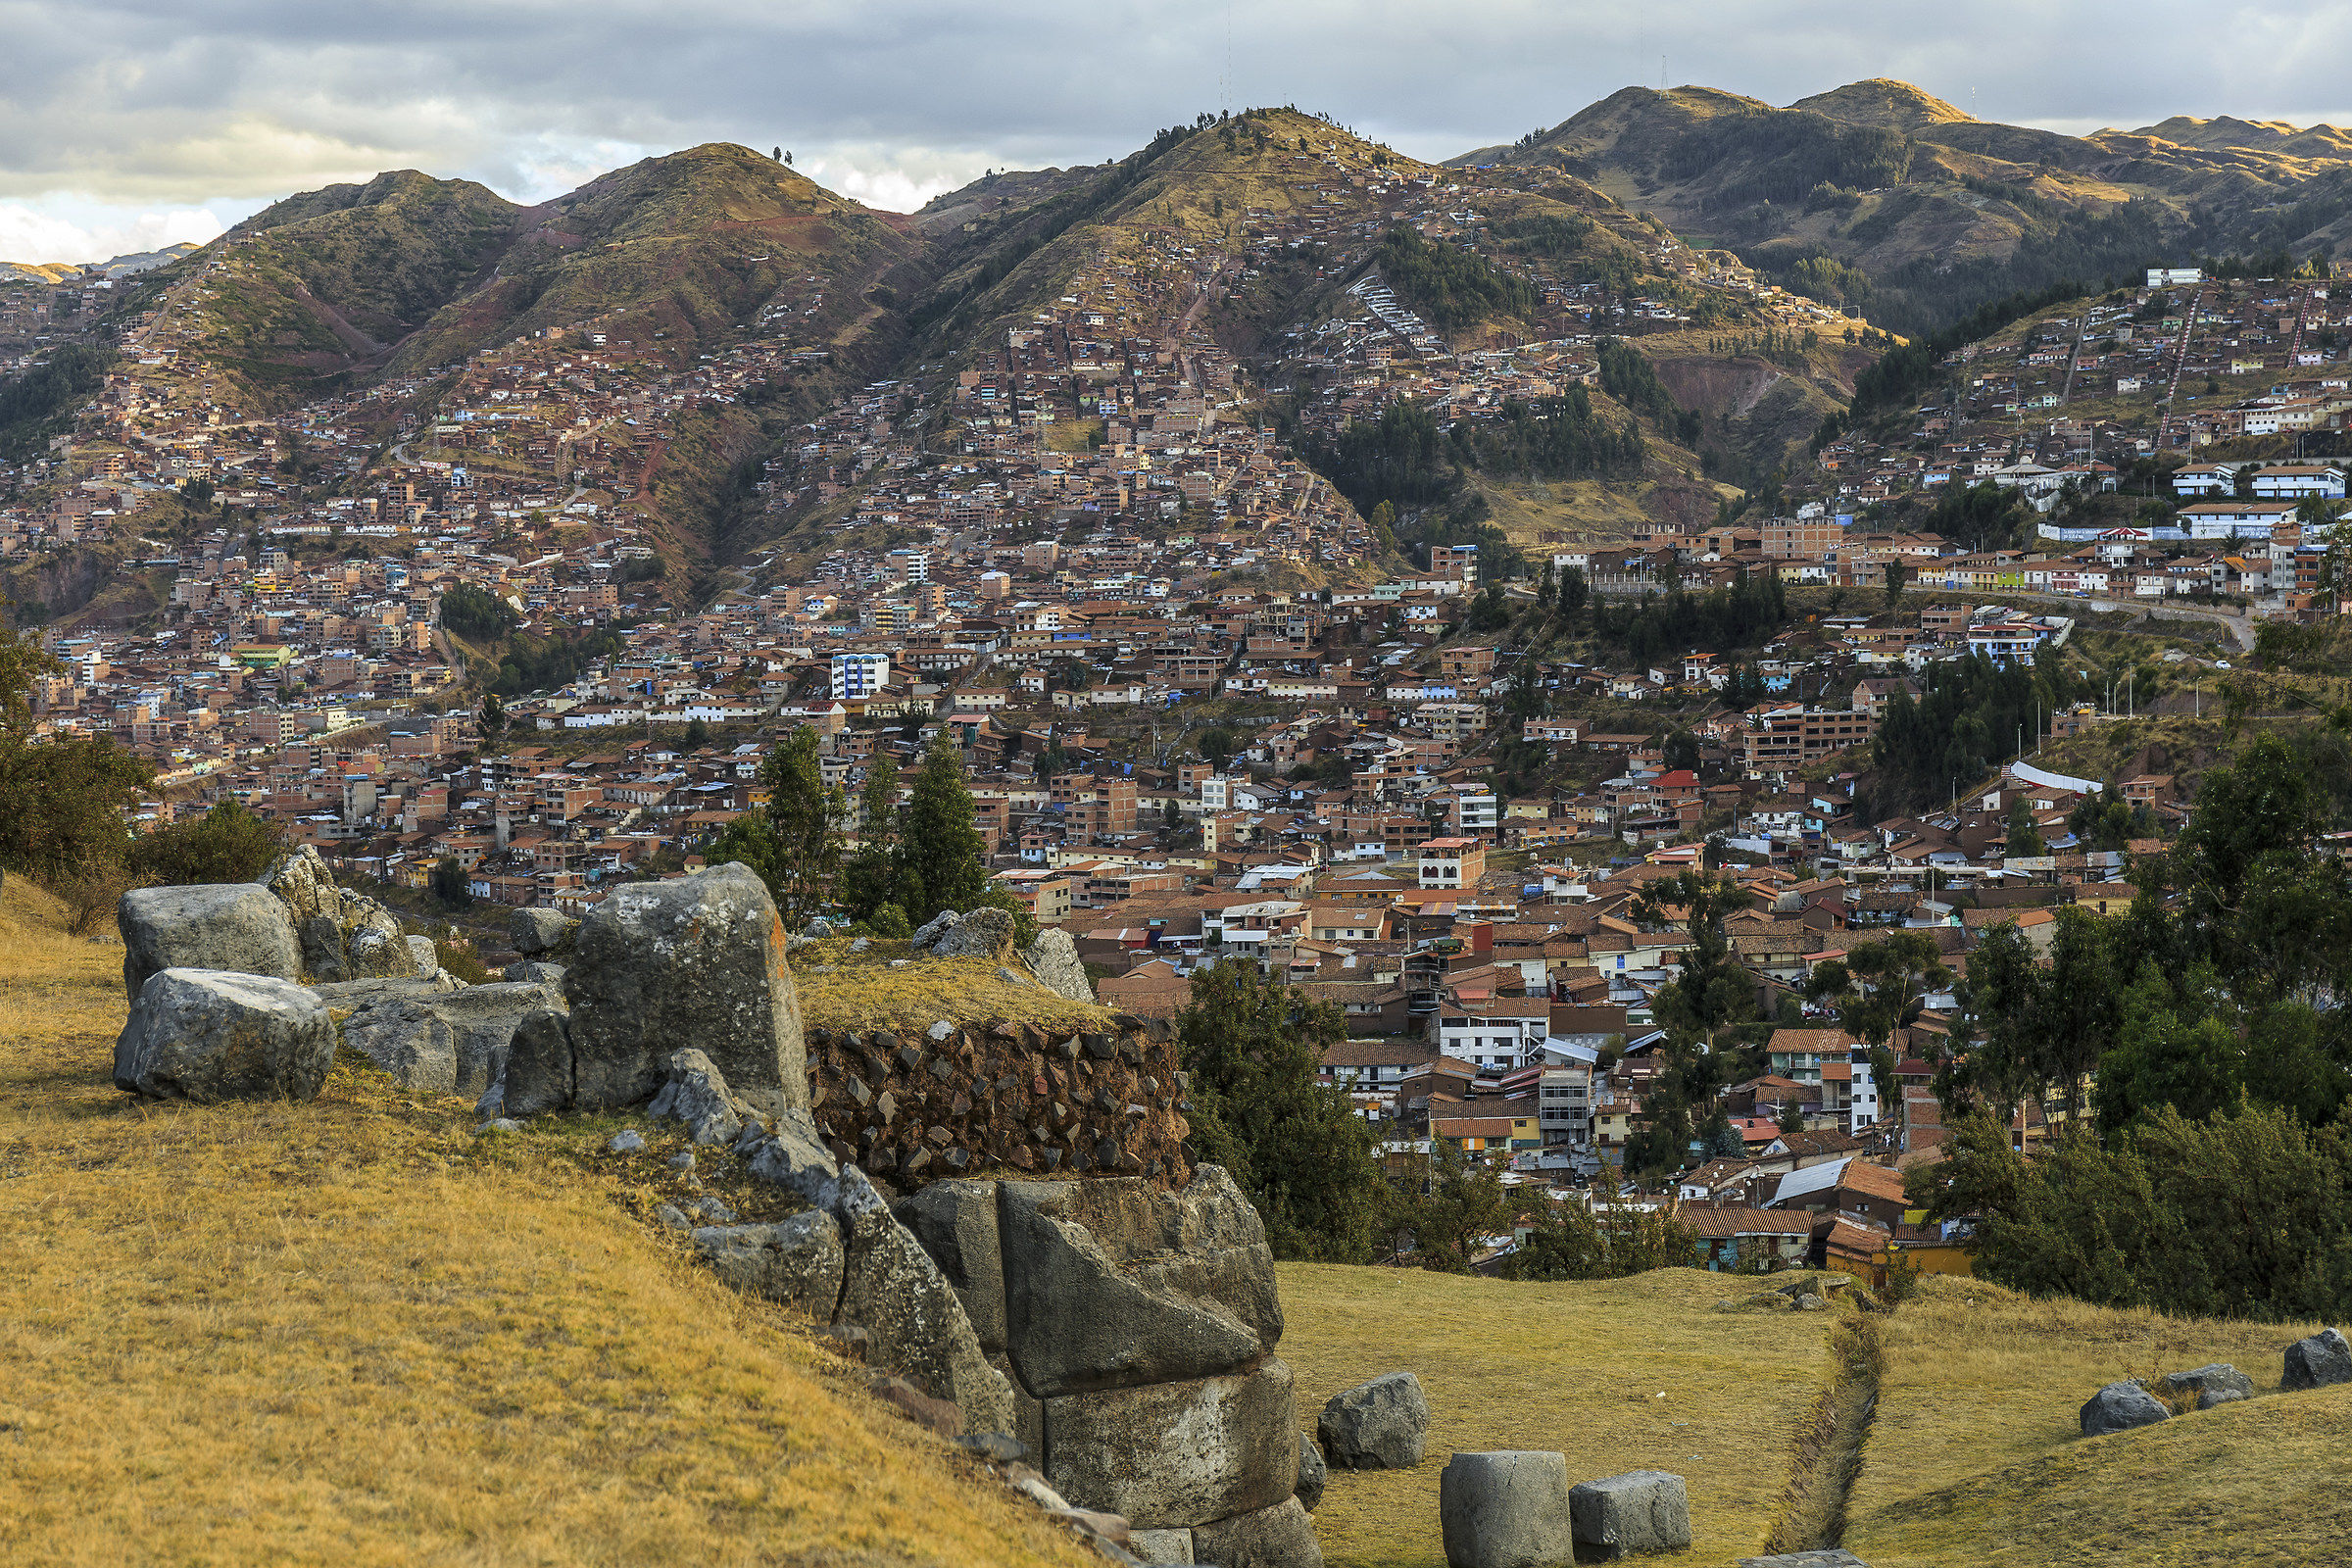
1789, 738
1454, 560
859, 674
1800, 538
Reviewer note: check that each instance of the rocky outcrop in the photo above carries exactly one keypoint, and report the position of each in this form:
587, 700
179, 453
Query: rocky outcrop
1380, 1425
2317, 1362
344, 934
2208, 1386
1279, 1537
1112, 1283
698, 1097
797, 1261
1640, 1513
234, 927
439, 1042
1183, 1453
541, 933
1313, 1475
1505, 1509
210, 1035
984, 933
893, 1289
2119, 1408
1054, 959
696, 961
538, 1075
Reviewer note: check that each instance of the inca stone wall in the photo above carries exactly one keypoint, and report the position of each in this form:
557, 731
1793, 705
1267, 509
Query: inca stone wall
916, 1108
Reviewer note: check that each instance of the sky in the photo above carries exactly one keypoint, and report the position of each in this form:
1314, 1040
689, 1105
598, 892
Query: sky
130, 123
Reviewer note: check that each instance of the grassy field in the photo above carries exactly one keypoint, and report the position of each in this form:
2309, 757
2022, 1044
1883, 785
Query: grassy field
1976, 1458
844, 990
350, 1332
1632, 1374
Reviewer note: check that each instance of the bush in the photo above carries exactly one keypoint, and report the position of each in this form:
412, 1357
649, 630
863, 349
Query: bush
227, 844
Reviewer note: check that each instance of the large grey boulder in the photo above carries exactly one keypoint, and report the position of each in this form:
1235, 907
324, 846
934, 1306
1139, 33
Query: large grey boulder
797, 1261
1177, 1454
2219, 1383
441, 1042
2120, 1406
697, 1094
1639, 1513
893, 1290
539, 1073
699, 961
955, 1221
232, 926
928, 932
1505, 1509
541, 931
984, 933
1380, 1425
1054, 959
1313, 1475
344, 934
1153, 1547
2318, 1361
208, 1035
426, 957
792, 1155
1279, 1537
1114, 1282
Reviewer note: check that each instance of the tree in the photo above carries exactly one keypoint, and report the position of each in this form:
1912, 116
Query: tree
940, 850
227, 844
447, 883
1894, 584
492, 725
2023, 833
869, 877
791, 839
1253, 1048
1793, 1118
1217, 747
697, 735
1448, 1214
62, 798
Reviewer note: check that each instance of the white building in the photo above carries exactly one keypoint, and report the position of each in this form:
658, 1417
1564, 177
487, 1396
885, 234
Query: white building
859, 674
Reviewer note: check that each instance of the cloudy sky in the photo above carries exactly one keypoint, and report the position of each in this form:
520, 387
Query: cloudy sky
129, 123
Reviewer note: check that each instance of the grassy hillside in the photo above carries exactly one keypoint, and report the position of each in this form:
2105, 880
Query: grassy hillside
1631, 1374
352, 1333
686, 245
1975, 1456
1939, 211
324, 283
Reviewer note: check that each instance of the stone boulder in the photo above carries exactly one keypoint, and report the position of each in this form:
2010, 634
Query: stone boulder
893, 1290
792, 1155
453, 1041
1380, 1425
232, 926
1312, 1475
955, 1221
2121, 1406
1505, 1509
928, 932
1054, 959
536, 932
344, 934
539, 1073
426, 957
696, 1095
2318, 1361
210, 1035
797, 1261
1279, 1537
1177, 1454
984, 933
1634, 1515
532, 969
1153, 1547
1112, 1281
699, 959
2217, 1384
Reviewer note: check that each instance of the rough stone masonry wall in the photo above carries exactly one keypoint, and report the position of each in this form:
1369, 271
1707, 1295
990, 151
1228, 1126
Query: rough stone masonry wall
916, 1108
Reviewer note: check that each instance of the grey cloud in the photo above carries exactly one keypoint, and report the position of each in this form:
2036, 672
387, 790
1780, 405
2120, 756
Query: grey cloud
151, 102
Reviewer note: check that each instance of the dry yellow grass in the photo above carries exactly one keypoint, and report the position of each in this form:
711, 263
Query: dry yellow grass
349, 1332
1576, 1368
1975, 1454
844, 990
